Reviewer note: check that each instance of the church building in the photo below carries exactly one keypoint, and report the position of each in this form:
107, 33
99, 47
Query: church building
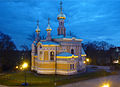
59, 54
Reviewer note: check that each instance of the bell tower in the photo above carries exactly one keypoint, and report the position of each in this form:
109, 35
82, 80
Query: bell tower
61, 17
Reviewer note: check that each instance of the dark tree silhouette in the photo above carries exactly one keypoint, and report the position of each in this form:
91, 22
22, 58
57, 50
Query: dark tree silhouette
98, 51
7, 52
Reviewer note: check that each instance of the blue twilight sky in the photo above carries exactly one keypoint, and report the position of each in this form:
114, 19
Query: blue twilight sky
88, 19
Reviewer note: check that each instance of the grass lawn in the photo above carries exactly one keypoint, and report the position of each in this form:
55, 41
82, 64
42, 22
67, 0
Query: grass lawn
17, 78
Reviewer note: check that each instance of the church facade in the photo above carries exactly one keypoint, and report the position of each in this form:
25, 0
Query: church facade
59, 54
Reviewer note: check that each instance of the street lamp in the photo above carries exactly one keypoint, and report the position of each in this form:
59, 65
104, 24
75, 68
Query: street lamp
24, 66
87, 60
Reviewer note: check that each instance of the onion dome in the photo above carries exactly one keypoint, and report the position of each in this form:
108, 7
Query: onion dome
37, 30
48, 28
61, 15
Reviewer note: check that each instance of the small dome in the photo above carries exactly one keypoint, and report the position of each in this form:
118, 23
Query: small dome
48, 28
61, 16
37, 30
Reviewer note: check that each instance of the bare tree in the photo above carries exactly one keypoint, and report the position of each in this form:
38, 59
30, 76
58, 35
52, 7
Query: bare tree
7, 52
98, 51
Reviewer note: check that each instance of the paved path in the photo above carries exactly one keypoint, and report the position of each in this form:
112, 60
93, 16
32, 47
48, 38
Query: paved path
113, 80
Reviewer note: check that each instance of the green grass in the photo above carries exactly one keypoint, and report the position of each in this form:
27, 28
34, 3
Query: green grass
33, 79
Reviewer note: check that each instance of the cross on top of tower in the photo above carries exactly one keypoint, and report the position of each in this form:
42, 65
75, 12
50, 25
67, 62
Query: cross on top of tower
37, 23
48, 28
61, 15
48, 20
61, 6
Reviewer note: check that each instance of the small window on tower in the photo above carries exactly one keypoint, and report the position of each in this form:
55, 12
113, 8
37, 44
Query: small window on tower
35, 50
61, 23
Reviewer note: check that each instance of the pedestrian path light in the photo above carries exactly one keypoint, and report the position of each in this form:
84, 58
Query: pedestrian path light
106, 85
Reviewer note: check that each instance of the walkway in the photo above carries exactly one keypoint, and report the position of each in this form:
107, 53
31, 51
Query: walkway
113, 80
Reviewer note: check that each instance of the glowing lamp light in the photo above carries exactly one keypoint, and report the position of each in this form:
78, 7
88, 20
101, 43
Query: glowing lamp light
21, 68
16, 67
25, 65
106, 85
84, 62
87, 59
116, 61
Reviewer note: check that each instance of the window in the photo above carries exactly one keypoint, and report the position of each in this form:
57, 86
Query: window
45, 55
72, 51
60, 23
72, 66
35, 50
40, 56
51, 55
40, 52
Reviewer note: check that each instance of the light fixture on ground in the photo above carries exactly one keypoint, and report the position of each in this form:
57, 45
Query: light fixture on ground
106, 85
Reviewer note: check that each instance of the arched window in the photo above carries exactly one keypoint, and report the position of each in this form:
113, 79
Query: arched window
72, 51
51, 55
35, 49
45, 55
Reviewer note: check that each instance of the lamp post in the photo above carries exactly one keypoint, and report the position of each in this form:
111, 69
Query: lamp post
117, 51
87, 62
24, 66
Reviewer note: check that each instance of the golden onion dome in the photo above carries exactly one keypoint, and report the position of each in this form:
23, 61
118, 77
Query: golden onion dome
48, 28
61, 16
37, 30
